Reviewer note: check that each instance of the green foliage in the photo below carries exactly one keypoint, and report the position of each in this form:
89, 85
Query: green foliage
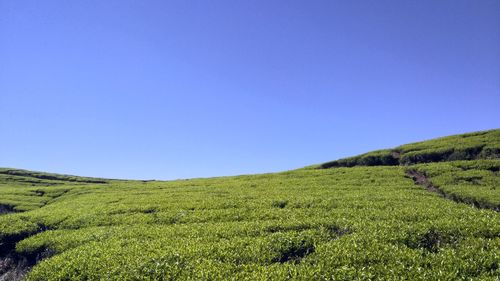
375, 158
479, 145
472, 182
357, 223
286, 248
38, 177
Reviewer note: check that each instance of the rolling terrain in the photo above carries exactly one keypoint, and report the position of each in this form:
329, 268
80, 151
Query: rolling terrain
421, 211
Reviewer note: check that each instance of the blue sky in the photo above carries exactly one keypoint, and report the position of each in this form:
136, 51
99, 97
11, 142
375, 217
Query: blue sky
180, 89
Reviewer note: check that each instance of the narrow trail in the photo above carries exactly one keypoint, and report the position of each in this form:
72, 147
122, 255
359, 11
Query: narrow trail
421, 179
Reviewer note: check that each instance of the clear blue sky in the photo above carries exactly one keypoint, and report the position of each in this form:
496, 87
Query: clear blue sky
179, 89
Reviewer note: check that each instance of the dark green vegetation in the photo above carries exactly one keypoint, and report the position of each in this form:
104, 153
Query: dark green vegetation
356, 222
472, 146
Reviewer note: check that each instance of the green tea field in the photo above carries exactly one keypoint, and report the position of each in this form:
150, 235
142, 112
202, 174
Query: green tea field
421, 211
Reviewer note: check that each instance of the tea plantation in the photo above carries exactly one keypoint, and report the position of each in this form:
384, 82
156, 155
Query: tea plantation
422, 211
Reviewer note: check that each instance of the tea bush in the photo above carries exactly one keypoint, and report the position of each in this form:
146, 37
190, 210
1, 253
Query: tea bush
344, 223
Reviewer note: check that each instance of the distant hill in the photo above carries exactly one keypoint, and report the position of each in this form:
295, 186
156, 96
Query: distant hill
471, 146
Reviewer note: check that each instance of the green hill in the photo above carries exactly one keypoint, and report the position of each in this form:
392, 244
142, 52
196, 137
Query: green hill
472, 146
422, 211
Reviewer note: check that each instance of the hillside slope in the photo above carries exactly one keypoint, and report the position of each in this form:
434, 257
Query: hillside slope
422, 211
471, 146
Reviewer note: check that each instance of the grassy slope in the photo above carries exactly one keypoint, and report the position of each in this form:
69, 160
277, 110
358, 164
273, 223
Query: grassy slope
471, 146
359, 222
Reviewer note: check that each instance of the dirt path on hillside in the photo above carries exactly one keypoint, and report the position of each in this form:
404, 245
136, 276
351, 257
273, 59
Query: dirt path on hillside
421, 179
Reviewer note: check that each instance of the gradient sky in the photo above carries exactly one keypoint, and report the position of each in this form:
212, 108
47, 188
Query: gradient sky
180, 89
